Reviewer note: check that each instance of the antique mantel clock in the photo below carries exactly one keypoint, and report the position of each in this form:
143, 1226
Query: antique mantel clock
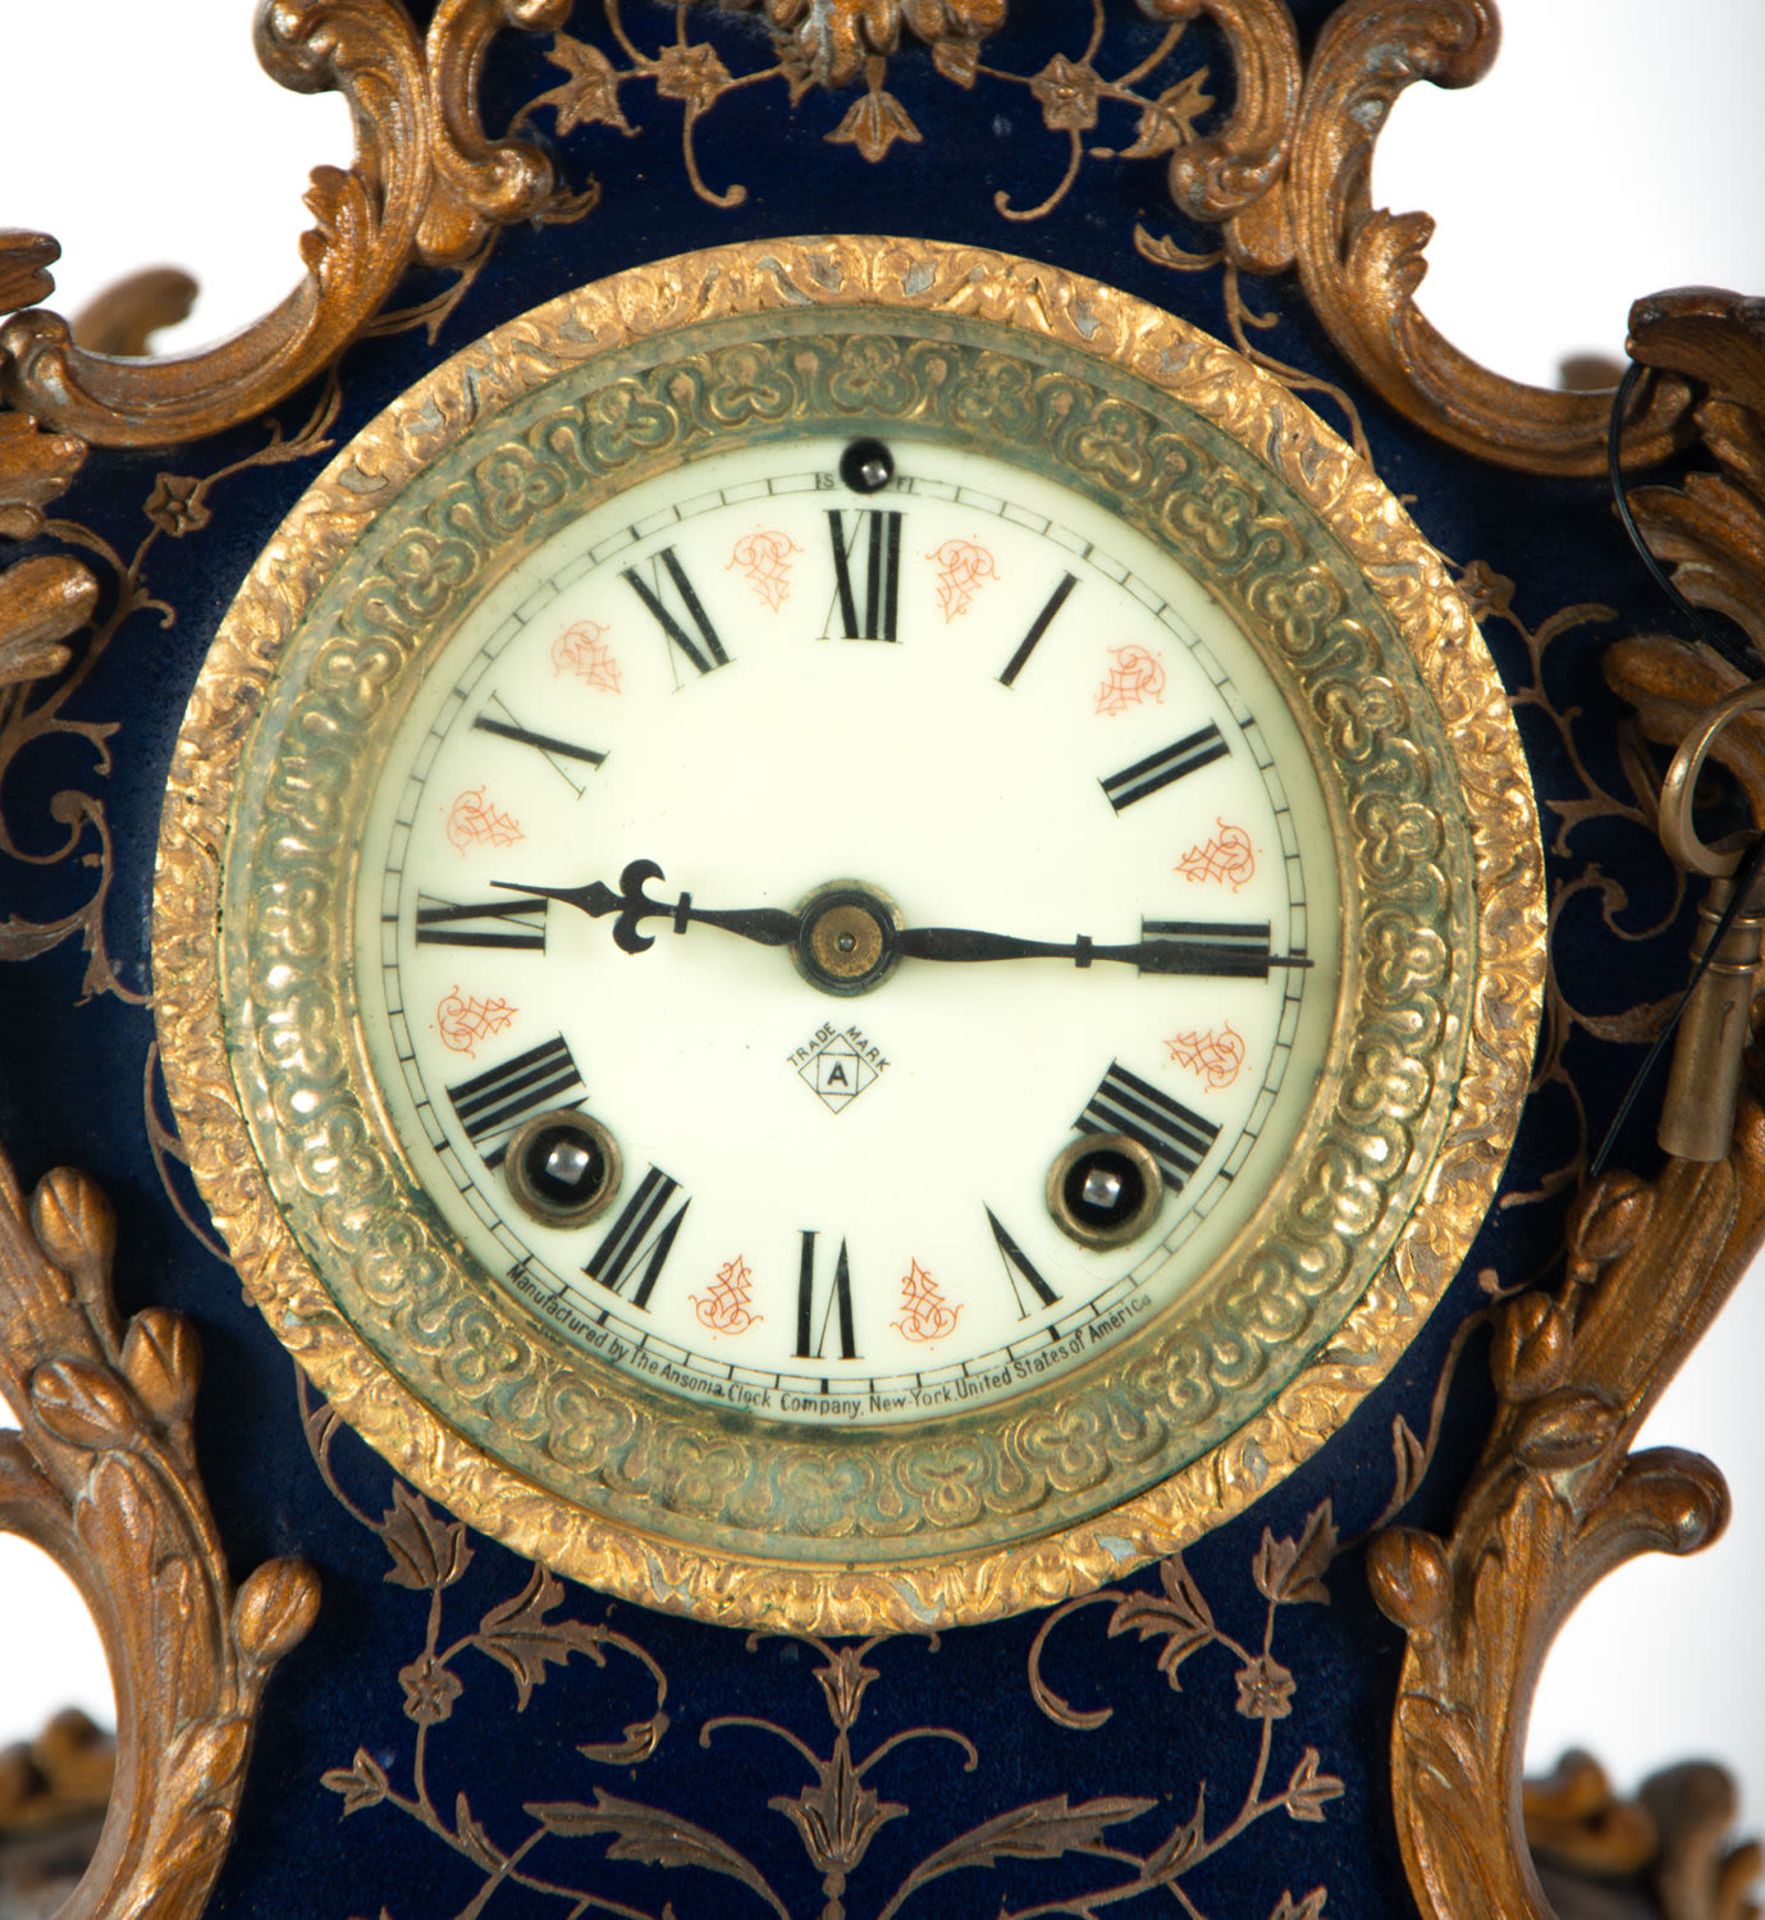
847, 931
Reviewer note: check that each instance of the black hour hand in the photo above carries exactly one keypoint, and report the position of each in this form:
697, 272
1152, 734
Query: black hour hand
769, 926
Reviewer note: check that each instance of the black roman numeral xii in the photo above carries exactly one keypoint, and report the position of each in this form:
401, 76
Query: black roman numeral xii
872, 613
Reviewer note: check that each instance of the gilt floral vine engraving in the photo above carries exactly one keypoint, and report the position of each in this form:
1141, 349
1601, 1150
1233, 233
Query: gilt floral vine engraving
836, 1793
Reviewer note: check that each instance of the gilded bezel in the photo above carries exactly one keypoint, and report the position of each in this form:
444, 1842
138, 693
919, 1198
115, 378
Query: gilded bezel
986, 1513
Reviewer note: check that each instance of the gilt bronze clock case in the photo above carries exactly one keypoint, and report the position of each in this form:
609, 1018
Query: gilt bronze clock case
441, 1703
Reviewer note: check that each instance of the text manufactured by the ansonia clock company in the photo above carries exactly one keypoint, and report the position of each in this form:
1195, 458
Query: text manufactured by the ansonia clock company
937, 1390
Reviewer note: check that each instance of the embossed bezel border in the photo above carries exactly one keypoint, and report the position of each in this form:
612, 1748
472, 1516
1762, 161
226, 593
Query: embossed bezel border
1405, 578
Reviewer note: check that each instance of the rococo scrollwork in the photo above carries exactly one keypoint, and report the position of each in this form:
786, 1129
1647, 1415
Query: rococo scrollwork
102, 1475
1558, 1499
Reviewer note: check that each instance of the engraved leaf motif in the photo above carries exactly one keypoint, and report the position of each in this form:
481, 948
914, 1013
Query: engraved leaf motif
1179, 1615
845, 1680
517, 1635
641, 1740
427, 1550
1410, 1458
362, 1783
1163, 251
651, 1835
1166, 1862
1310, 1908
874, 124
1170, 120
590, 95
839, 1816
1309, 1789
957, 60
1290, 1572
1042, 1830
473, 1838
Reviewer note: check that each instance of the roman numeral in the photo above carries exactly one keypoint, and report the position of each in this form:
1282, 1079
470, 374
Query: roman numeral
1222, 949
497, 720
880, 533
516, 920
1039, 626
492, 1104
639, 1242
839, 1295
668, 582
1188, 755
1021, 1272
1176, 1138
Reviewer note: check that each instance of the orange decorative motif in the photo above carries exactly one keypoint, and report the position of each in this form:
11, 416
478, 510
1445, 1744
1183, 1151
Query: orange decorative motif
1136, 677
463, 1020
764, 560
472, 821
582, 650
963, 566
925, 1314
1217, 1057
1228, 858
723, 1307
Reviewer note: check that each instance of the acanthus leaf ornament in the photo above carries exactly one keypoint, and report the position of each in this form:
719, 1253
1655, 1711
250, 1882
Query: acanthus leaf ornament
102, 1476
1557, 1501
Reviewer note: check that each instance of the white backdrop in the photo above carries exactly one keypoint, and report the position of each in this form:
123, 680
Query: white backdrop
1582, 173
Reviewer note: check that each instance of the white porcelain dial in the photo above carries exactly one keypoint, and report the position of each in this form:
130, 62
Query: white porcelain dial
986, 705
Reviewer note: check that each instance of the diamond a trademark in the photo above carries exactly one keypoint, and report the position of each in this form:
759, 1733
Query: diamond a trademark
837, 1074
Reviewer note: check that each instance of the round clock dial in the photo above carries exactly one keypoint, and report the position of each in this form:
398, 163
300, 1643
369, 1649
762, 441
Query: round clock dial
876, 934
829, 859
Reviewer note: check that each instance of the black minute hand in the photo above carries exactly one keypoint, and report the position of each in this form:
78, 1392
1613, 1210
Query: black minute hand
1229, 949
